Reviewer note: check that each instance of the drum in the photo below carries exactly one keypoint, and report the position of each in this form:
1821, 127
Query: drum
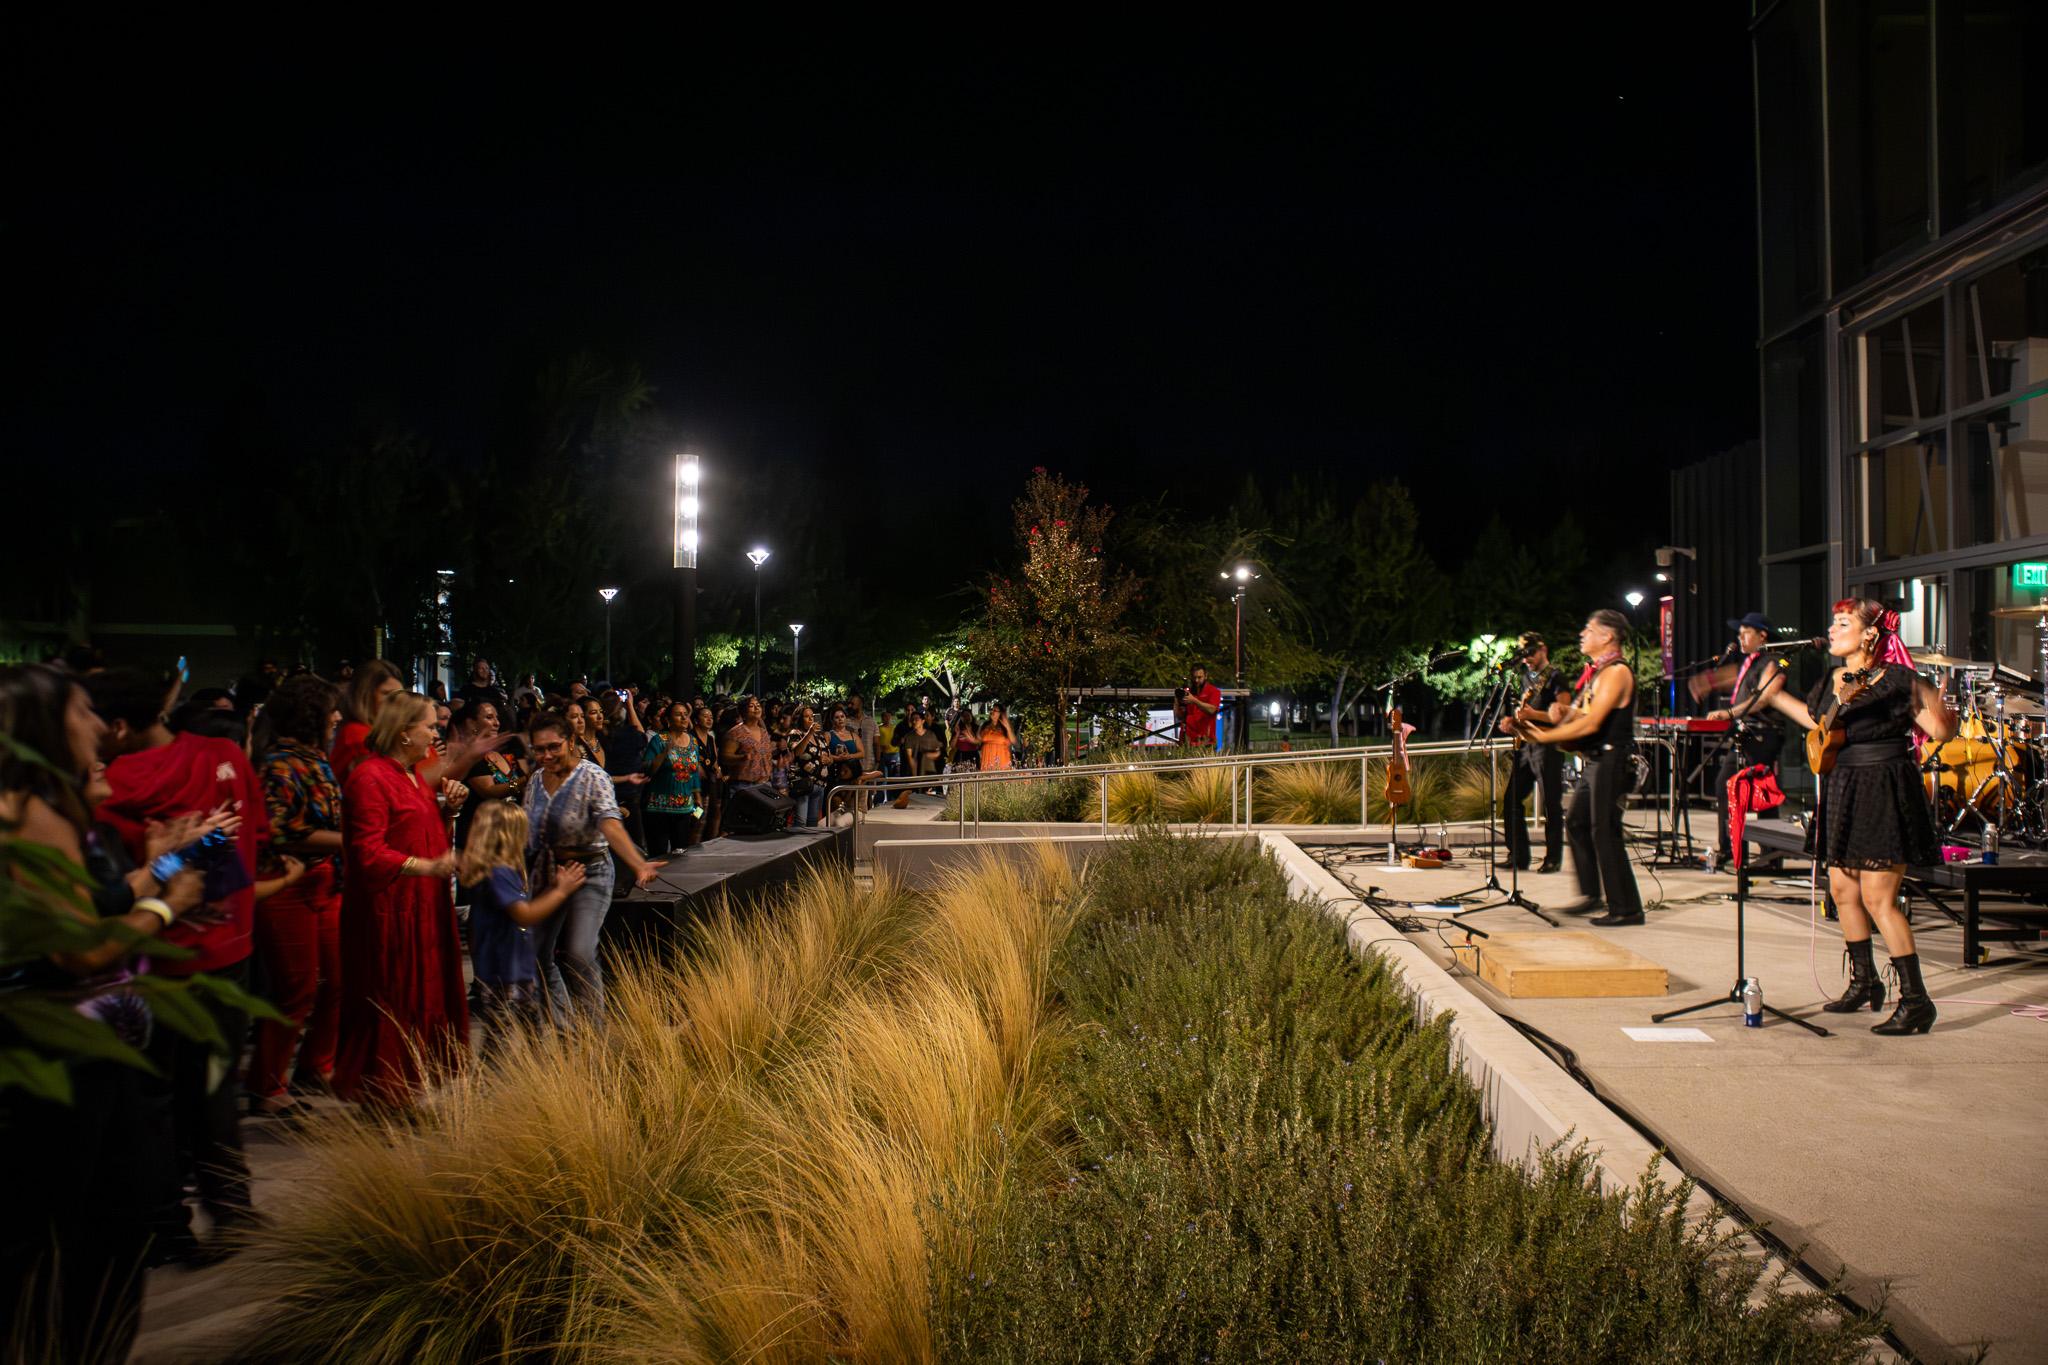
1966, 769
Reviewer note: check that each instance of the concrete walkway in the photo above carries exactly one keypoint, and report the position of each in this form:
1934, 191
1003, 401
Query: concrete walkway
1918, 1163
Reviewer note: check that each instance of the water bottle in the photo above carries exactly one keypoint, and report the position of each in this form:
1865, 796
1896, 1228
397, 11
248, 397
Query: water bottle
1752, 1003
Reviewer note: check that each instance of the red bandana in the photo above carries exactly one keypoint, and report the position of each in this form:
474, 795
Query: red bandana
1585, 674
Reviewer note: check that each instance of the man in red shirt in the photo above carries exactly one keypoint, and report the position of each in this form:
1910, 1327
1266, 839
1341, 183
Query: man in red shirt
1196, 709
157, 775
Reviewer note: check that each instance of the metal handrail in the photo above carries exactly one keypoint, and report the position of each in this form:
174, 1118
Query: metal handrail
1241, 810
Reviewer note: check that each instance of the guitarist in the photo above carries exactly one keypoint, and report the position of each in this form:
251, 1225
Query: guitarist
1873, 817
1601, 727
1536, 765
1757, 739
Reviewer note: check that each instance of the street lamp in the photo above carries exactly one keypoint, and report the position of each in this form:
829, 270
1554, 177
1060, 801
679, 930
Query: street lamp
607, 594
796, 640
1244, 574
760, 557
1634, 598
688, 476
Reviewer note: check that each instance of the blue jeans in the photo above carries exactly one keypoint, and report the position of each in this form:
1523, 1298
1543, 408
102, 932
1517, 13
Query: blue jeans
810, 807
566, 944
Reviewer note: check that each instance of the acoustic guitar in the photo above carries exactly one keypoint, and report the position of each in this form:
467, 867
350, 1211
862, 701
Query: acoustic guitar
1399, 793
1528, 695
1830, 732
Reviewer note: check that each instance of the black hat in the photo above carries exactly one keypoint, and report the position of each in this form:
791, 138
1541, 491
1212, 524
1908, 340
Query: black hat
1756, 620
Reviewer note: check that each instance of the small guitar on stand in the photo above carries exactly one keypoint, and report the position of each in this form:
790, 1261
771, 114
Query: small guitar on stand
1830, 732
1399, 793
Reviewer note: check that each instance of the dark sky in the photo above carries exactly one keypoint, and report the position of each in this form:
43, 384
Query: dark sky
1510, 261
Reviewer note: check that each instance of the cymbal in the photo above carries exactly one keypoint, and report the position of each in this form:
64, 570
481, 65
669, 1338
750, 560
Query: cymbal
1931, 659
2021, 613
2020, 704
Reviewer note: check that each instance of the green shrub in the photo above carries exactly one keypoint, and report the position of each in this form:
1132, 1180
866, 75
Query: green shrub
1271, 1160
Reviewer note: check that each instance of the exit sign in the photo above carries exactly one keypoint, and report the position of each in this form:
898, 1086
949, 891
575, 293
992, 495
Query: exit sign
2030, 575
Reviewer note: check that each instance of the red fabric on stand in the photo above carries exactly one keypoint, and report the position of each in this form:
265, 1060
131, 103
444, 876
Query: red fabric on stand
403, 1002
1754, 788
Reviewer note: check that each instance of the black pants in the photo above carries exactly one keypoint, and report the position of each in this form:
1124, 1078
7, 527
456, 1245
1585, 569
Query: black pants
85, 1177
1535, 761
1733, 761
1593, 825
667, 833
204, 1109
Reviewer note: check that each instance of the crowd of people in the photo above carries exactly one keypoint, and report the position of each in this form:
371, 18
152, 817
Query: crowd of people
333, 848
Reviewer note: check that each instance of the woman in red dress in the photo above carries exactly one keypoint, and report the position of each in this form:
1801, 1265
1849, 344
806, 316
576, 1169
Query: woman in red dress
403, 1002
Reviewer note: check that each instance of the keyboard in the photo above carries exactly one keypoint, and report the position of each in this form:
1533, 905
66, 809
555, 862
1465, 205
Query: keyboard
1690, 724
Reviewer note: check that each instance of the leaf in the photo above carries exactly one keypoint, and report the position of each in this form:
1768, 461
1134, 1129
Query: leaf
56, 1027
177, 1010
227, 993
40, 1076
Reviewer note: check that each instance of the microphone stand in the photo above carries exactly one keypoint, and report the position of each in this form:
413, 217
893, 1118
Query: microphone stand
1496, 707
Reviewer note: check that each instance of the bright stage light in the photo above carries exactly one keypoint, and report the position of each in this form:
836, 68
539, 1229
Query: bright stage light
687, 508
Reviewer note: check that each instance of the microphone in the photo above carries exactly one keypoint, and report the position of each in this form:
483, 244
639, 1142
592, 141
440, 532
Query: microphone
1794, 646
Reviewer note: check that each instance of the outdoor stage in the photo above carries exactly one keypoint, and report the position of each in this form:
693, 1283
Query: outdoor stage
739, 867
1920, 1163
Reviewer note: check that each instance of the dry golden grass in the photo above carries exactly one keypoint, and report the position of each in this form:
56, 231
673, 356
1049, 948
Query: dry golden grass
1134, 799
1199, 796
1311, 793
741, 1166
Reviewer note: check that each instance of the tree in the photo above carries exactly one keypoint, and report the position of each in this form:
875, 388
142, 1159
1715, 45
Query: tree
1060, 621
943, 662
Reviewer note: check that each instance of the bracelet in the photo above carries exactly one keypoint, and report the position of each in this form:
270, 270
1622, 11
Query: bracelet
157, 908
405, 868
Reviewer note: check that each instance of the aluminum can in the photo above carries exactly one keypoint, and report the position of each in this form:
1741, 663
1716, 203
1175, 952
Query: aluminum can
1752, 1003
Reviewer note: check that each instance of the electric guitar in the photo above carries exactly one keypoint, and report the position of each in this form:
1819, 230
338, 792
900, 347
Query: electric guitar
1398, 791
1830, 732
1528, 695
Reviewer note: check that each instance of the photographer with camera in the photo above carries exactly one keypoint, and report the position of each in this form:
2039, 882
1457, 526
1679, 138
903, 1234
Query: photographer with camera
1195, 707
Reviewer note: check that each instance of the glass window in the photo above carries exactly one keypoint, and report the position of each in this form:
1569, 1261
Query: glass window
1880, 132
1899, 372
2012, 643
1795, 444
2002, 320
1994, 109
1902, 500
2006, 467
1922, 605
1788, 79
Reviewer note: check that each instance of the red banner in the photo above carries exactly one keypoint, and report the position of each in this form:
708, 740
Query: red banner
1664, 633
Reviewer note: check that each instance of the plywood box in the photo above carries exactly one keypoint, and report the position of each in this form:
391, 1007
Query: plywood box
1569, 962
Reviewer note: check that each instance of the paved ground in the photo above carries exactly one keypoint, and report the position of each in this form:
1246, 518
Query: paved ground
1921, 1163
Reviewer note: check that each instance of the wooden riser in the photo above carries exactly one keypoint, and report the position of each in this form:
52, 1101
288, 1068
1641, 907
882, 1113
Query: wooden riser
1569, 962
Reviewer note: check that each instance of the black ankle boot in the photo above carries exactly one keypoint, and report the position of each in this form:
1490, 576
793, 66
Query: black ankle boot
1915, 1013
1866, 987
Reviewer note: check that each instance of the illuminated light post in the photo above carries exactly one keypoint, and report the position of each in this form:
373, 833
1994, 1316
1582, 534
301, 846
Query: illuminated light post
796, 640
760, 557
608, 594
1244, 574
689, 475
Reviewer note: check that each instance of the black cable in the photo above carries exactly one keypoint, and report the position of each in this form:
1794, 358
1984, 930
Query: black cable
1569, 1061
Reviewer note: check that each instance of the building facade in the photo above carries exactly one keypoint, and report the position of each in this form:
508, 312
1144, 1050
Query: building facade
1902, 229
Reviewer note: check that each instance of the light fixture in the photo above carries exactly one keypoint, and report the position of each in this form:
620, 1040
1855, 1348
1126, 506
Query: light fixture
607, 594
688, 506
1633, 598
759, 556
796, 640
1663, 578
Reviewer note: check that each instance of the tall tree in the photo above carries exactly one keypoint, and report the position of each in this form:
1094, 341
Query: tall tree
1059, 621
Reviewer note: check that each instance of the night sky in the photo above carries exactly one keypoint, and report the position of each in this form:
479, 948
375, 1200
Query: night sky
1510, 262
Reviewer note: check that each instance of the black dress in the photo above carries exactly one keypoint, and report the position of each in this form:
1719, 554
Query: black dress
1874, 813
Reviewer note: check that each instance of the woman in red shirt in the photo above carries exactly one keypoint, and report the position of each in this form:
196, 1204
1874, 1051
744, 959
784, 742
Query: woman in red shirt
404, 1010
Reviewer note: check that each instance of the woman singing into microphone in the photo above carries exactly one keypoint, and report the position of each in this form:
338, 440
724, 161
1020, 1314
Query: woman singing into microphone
1874, 818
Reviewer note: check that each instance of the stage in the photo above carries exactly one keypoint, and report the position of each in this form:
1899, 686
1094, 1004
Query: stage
1914, 1162
738, 867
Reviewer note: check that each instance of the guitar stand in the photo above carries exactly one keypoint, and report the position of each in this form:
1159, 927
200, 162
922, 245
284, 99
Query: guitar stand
1734, 996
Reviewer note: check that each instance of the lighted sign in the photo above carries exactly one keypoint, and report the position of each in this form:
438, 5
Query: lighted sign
2030, 575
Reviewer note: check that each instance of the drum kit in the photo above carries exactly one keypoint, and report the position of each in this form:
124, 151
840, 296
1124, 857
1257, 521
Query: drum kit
1991, 779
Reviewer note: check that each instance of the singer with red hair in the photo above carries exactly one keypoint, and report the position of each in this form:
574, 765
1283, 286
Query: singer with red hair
1874, 817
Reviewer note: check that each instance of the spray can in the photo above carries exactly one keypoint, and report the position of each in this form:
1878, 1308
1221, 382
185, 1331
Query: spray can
1752, 1003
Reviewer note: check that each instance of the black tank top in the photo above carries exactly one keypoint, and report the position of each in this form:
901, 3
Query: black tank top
1618, 731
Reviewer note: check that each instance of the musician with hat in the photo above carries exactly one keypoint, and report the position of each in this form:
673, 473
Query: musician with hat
1536, 765
1757, 736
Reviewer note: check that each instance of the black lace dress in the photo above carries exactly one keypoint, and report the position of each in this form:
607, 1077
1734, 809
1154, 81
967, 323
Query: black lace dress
1874, 812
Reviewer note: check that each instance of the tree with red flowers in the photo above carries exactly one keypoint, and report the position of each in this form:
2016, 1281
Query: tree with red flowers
1058, 621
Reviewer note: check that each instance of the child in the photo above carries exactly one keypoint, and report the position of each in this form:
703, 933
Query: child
500, 915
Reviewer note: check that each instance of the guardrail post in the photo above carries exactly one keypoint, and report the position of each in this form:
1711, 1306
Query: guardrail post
1104, 780
1361, 791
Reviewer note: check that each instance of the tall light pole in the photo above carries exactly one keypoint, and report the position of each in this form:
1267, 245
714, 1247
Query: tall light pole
688, 476
608, 594
760, 557
796, 640
1244, 574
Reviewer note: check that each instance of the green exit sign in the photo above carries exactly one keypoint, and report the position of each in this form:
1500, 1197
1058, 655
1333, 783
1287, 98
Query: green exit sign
2030, 575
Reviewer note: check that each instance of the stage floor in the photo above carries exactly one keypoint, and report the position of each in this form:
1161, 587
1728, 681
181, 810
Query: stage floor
1919, 1162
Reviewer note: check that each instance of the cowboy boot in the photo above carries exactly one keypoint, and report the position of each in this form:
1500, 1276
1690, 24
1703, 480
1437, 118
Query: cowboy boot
1915, 1013
1866, 987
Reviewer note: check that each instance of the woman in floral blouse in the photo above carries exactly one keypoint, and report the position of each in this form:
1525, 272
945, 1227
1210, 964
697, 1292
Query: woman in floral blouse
806, 745
298, 930
675, 792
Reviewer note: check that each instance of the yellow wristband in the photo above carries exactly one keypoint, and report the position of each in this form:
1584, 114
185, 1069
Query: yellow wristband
405, 869
157, 908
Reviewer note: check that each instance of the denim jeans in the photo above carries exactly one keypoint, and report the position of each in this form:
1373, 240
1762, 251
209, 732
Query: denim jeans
566, 944
810, 807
